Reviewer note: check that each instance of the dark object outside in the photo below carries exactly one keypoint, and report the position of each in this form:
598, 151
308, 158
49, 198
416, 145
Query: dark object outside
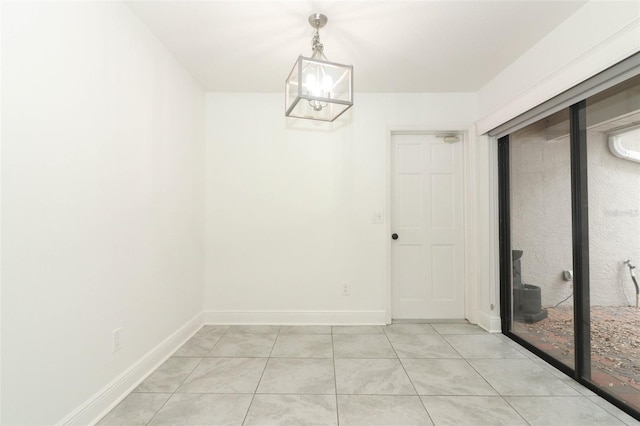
527, 298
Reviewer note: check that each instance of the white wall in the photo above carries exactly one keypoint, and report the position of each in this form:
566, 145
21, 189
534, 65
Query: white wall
102, 192
102, 201
484, 187
597, 36
289, 205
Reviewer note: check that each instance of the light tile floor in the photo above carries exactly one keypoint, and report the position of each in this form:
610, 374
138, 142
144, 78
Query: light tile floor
397, 375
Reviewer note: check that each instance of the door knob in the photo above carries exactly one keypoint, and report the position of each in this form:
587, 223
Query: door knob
394, 236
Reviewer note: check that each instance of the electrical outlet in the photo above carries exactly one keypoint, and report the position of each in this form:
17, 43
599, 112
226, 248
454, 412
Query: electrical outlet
115, 342
346, 290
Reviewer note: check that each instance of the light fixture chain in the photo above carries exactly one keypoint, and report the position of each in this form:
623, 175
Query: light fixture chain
318, 48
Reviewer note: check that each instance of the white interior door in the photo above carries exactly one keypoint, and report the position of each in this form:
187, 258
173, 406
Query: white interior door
427, 258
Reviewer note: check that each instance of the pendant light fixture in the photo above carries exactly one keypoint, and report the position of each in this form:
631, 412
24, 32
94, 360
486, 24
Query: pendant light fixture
316, 88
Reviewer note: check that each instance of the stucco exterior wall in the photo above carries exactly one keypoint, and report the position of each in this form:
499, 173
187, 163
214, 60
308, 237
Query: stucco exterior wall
541, 212
541, 216
614, 220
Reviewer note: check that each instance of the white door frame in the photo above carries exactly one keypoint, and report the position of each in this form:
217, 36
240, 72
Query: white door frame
469, 234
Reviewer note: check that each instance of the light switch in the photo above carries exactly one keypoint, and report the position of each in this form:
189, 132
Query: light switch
377, 217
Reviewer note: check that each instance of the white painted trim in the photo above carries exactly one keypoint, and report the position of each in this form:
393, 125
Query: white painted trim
489, 323
452, 128
388, 231
471, 229
108, 397
494, 228
616, 48
297, 317
1, 328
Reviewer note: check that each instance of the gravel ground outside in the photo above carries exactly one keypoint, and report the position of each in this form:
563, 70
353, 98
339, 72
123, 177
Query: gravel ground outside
615, 345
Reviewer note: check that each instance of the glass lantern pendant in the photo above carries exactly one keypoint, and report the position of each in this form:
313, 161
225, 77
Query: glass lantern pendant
316, 88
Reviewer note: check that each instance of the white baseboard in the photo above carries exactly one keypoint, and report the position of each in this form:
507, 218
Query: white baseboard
108, 397
297, 317
490, 323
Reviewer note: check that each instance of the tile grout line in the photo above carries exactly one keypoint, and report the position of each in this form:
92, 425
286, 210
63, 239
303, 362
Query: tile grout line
514, 409
280, 333
409, 377
492, 387
610, 411
479, 374
261, 376
449, 343
335, 380
218, 341
188, 375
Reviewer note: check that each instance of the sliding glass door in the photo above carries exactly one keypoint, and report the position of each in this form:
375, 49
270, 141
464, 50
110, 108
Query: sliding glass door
613, 161
541, 242
570, 240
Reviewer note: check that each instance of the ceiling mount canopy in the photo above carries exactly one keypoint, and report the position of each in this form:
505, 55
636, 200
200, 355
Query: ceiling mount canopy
316, 88
318, 20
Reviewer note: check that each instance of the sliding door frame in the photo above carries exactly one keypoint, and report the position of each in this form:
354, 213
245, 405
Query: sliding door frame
504, 233
580, 253
580, 243
504, 212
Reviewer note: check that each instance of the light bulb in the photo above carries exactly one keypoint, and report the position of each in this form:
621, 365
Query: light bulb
311, 81
327, 83
313, 85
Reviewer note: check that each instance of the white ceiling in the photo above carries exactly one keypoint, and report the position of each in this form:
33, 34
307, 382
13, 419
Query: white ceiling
394, 46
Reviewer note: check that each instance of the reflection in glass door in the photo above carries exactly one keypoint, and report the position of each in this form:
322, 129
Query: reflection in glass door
541, 236
613, 151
